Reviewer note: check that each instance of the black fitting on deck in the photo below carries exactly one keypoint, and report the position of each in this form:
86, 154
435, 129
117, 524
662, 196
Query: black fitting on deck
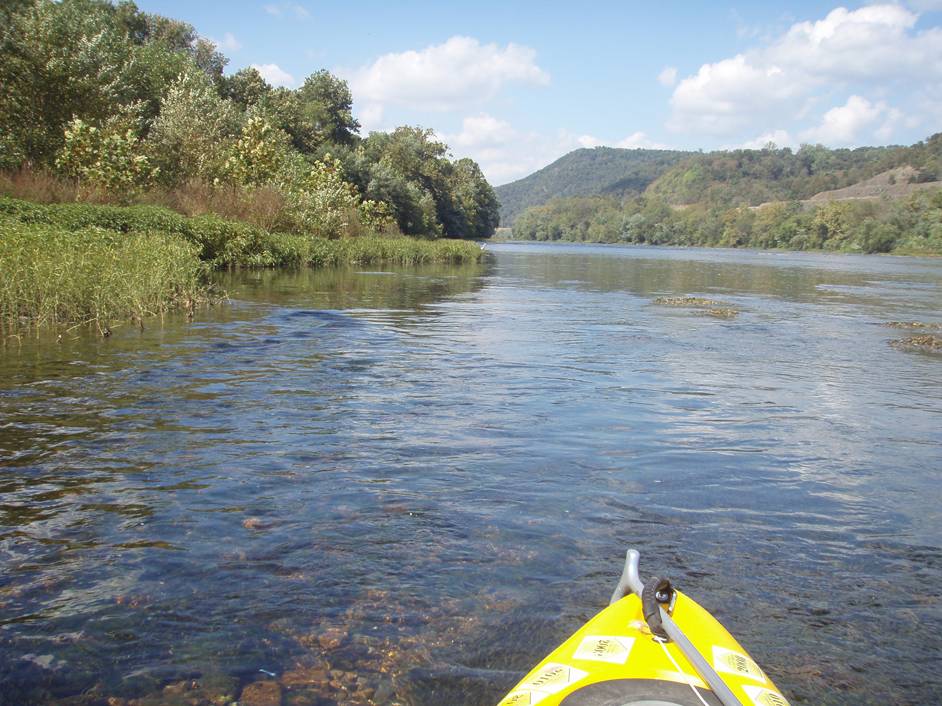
657, 592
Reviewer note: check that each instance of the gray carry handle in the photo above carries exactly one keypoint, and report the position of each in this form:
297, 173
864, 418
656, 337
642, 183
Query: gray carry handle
630, 582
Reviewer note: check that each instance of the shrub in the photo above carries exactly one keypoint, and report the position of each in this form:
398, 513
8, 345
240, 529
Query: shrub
109, 159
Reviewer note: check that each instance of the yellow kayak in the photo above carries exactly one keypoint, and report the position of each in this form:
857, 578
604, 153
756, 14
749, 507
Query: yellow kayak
651, 647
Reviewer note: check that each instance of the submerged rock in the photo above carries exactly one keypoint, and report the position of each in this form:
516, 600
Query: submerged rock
261, 693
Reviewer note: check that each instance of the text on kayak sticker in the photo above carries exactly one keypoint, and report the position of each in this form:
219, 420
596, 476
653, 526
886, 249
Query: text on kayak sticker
523, 698
764, 697
553, 677
605, 648
734, 663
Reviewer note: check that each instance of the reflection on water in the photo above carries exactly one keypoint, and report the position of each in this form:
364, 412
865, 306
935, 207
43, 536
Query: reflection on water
408, 486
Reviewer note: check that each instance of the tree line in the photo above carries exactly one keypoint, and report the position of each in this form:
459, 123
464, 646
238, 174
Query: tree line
127, 106
759, 198
912, 225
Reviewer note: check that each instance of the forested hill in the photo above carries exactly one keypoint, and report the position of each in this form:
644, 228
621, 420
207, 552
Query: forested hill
586, 172
870, 199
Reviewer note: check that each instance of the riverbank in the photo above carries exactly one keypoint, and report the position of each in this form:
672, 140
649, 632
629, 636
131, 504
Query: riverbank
900, 252
64, 264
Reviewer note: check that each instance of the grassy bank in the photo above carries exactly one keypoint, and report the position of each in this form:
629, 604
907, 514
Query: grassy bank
54, 276
72, 263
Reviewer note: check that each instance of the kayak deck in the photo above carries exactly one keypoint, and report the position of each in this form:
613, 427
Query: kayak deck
614, 660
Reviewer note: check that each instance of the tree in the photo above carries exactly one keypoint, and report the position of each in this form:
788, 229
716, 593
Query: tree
327, 108
245, 88
108, 158
476, 198
58, 60
259, 156
189, 135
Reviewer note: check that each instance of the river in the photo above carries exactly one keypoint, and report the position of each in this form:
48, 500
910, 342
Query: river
407, 486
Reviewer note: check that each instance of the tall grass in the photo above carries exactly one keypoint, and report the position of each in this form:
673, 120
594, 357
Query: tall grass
68, 263
53, 276
226, 243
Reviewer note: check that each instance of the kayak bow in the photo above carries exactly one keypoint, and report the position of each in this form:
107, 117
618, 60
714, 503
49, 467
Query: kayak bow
652, 646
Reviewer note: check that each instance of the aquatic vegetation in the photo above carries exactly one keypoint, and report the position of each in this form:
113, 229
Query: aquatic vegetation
721, 313
927, 342
89, 275
687, 301
913, 325
702, 305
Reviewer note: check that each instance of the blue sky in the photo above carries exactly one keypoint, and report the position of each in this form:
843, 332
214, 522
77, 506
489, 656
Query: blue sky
516, 85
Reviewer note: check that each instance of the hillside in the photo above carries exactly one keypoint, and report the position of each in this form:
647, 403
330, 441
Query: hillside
586, 172
870, 199
894, 184
725, 178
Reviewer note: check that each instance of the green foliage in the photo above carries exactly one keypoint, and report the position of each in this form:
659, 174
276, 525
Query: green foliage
245, 88
912, 225
327, 107
188, 136
55, 276
586, 172
73, 72
429, 194
108, 158
224, 243
320, 200
258, 156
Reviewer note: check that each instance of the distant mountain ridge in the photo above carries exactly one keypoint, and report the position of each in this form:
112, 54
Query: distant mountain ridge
723, 178
587, 172
867, 199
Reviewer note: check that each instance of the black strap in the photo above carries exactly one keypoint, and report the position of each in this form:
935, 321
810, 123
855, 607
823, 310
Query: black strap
657, 592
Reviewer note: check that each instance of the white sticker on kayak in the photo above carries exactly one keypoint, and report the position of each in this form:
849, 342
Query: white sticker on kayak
731, 662
523, 698
553, 677
764, 697
605, 648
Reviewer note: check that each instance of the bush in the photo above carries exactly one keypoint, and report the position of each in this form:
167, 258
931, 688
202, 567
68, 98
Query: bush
108, 159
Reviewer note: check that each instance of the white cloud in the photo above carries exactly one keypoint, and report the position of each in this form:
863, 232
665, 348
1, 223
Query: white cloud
780, 138
668, 76
724, 97
283, 9
228, 42
636, 140
843, 124
506, 153
639, 140
483, 131
275, 75
503, 152
370, 117
873, 49
458, 73
892, 119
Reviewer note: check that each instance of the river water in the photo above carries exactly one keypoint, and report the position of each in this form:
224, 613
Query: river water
407, 486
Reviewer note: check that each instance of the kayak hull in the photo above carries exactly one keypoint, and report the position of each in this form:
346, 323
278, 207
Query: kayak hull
614, 660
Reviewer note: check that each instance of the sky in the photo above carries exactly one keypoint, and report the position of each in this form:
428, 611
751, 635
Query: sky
516, 85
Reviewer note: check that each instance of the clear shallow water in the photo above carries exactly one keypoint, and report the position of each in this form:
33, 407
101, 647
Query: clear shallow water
426, 479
